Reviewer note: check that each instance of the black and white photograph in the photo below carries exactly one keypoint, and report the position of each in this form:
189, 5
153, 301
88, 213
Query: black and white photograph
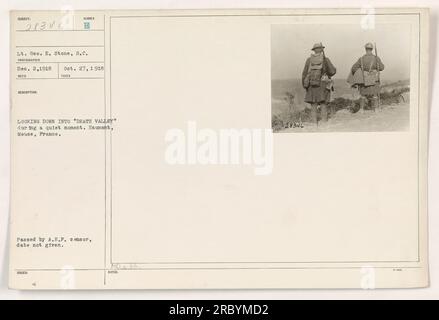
198, 151
340, 77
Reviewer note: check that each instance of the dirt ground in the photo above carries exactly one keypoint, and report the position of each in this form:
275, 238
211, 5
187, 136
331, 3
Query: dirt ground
390, 118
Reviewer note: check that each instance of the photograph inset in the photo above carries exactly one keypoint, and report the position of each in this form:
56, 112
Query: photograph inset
329, 78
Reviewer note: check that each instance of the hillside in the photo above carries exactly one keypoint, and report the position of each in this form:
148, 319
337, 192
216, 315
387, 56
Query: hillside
394, 115
391, 118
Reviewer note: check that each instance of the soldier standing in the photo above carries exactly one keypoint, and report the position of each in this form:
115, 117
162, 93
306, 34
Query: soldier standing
316, 79
369, 65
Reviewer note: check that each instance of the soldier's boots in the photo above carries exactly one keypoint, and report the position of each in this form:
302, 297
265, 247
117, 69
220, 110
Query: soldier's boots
363, 101
314, 107
374, 103
324, 112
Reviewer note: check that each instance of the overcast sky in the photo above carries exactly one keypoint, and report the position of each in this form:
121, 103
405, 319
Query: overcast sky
291, 45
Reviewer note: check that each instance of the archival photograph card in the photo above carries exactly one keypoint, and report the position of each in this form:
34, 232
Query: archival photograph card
207, 149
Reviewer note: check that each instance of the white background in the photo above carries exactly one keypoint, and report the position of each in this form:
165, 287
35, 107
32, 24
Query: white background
5, 293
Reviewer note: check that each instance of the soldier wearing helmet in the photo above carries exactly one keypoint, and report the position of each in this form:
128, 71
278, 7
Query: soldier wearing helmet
369, 65
316, 79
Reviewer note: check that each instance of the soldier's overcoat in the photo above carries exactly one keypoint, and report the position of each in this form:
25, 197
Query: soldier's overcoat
320, 93
369, 62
